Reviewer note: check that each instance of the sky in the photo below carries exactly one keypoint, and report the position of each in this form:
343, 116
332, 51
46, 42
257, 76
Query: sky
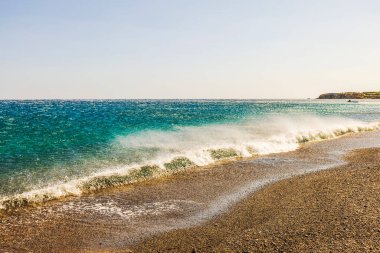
88, 49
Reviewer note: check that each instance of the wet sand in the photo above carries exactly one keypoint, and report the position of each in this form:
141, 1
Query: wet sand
184, 206
337, 210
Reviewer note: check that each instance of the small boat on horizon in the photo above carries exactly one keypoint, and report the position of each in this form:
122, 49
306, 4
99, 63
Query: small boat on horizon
352, 101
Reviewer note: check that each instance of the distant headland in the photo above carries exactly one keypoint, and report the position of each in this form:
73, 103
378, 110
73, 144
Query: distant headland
351, 95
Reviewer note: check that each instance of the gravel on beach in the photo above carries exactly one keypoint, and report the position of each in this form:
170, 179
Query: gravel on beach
336, 210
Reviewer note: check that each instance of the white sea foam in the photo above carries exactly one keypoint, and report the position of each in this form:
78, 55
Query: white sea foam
197, 144
112, 208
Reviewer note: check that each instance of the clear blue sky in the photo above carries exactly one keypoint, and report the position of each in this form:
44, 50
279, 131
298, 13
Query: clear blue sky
187, 49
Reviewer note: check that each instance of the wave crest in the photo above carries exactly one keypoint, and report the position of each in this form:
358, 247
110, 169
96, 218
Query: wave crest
186, 147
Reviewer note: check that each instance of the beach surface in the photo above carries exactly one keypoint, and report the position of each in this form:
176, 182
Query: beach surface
274, 202
336, 210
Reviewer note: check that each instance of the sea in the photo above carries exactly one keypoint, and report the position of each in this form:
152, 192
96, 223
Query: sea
51, 149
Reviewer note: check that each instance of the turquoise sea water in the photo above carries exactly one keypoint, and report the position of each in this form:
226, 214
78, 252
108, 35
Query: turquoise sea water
55, 148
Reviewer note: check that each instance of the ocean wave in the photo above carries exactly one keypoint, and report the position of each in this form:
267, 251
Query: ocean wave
187, 147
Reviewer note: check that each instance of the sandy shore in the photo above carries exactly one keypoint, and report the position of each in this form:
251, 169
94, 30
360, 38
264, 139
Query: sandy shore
222, 208
336, 210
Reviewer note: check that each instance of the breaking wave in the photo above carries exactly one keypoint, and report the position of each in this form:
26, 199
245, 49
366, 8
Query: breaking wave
166, 152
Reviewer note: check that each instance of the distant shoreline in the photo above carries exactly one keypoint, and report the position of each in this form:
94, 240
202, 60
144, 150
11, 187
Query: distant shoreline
351, 95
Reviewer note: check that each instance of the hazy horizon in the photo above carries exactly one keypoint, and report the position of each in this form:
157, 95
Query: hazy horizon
187, 49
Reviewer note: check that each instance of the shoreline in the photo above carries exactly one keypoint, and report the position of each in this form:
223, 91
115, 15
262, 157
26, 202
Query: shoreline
117, 220
332, 210
102, 181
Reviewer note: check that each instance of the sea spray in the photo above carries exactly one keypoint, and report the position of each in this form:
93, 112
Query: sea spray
196, 146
